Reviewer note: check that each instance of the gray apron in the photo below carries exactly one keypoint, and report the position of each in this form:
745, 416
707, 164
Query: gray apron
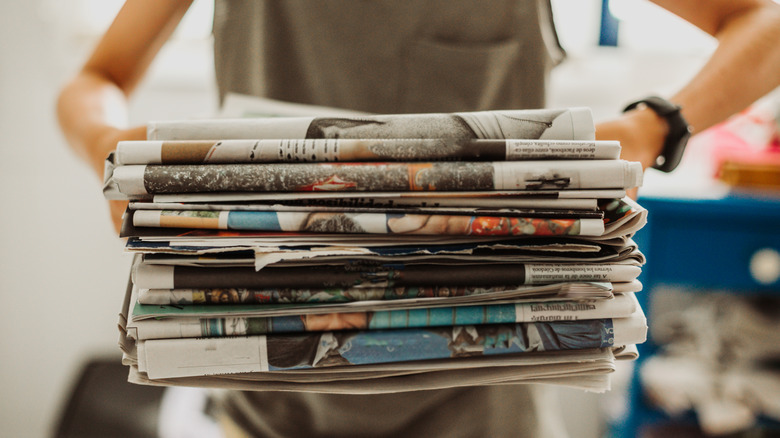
390, 56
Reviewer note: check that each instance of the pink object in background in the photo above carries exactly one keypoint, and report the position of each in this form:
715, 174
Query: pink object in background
751, 137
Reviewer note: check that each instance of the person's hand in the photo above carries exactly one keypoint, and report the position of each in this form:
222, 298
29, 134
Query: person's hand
641, 134
104, 144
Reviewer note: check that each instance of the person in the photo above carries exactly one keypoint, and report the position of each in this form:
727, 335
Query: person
373, 127
384, 56
456, 128
336, 321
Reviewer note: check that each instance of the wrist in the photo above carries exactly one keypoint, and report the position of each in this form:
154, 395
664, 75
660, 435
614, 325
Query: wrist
105, 140
650, 126
676, 128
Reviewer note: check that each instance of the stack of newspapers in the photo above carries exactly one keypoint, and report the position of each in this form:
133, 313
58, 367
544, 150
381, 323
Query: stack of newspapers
379, 253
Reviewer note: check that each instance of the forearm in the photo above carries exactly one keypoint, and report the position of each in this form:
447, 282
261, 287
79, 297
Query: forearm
744, 67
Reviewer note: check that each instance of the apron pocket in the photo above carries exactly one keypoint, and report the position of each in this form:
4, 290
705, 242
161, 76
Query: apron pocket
447, 77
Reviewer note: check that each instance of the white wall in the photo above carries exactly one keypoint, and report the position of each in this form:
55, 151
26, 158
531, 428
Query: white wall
62, 271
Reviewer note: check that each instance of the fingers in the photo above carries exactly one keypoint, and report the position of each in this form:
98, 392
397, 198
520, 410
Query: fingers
117, 209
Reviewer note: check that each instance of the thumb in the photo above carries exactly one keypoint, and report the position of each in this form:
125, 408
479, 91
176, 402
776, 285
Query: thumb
117, 209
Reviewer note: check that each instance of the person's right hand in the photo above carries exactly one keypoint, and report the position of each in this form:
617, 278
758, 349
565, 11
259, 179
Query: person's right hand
104, 144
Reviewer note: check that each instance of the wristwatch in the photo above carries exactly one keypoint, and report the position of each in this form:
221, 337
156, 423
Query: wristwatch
679, 131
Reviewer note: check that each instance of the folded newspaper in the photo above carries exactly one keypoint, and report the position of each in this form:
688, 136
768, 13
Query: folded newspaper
379, 253
469, 358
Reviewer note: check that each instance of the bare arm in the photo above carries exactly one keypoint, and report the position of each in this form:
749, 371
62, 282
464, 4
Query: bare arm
744, 67
92, 107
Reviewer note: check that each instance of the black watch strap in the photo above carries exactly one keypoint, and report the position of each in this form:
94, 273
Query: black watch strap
679, 131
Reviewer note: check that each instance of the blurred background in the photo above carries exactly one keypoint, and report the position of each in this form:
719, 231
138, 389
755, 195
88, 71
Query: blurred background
63, 271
